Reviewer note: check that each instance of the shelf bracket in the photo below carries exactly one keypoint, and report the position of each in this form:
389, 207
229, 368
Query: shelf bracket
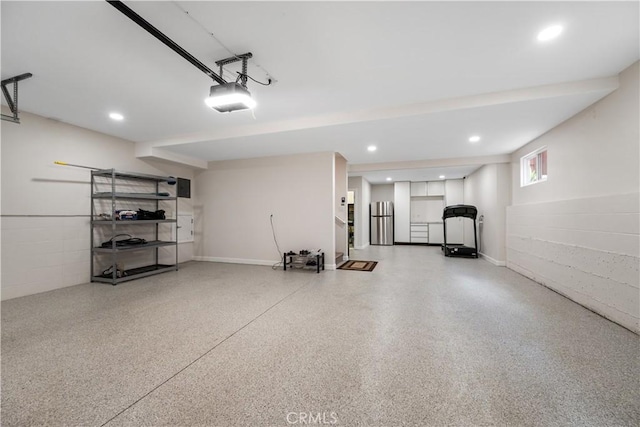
12, 102
244, 58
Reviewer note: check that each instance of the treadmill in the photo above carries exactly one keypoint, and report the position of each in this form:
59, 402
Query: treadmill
465, 211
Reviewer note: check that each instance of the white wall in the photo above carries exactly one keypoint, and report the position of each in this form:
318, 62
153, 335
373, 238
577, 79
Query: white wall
382, 193
46, 207
489, 189
362, 189
578, 232
593, 153
235, 199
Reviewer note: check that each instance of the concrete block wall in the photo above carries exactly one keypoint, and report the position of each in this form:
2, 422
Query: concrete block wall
587, 249
43, 253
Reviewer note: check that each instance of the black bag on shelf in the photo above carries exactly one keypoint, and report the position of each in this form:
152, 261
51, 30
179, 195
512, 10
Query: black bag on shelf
128, 241
142, 214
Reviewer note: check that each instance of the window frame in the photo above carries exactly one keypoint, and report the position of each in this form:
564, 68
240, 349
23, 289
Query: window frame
525, 171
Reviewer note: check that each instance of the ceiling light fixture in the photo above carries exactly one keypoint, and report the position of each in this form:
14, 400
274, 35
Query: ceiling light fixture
388, 178
372, 148
474, 138
550, 33
226, 96
116, 116
229, 97
441, 177
235, 96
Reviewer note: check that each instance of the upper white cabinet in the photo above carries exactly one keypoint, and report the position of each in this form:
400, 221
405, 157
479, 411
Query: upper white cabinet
418, 189
435, 188
424, 189
402, 211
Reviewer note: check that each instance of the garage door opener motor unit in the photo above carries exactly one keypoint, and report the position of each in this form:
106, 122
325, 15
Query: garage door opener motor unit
465, 211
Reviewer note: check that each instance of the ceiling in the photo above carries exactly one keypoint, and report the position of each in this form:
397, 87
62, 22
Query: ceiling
415, 79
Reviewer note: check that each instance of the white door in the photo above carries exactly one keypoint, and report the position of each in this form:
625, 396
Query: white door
185, 228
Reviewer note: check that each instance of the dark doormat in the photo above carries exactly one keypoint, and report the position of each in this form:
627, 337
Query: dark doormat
358, 265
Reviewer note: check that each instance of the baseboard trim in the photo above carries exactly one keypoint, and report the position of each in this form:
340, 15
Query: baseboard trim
247, 261
235, 260
493, 261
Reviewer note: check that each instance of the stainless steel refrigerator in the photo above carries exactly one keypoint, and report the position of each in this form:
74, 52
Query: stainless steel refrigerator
381, 224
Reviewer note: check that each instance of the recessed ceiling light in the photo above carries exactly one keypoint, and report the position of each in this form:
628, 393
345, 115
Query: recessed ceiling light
116, 116
372, 148
441, 177
474, 138
388, 178
550, 33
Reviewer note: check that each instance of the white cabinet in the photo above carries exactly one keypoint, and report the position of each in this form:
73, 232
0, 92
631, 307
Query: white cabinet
418, 189
436, 233
402, 211
419, 233
431, 233
426, 209
418, 211
424, 189
435, 206
435, 188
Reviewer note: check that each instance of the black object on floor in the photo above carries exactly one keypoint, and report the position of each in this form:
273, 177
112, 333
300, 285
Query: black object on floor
304, 259
465, 211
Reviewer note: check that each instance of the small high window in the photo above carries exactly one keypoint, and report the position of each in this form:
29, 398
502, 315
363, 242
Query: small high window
533, 167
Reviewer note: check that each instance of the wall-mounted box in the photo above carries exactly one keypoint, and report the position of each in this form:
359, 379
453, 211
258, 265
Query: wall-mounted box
184, 188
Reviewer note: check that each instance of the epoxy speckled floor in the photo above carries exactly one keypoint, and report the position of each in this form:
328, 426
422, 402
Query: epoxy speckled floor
422, 340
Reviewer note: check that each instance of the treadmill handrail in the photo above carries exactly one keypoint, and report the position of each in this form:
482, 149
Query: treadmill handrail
466, 211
